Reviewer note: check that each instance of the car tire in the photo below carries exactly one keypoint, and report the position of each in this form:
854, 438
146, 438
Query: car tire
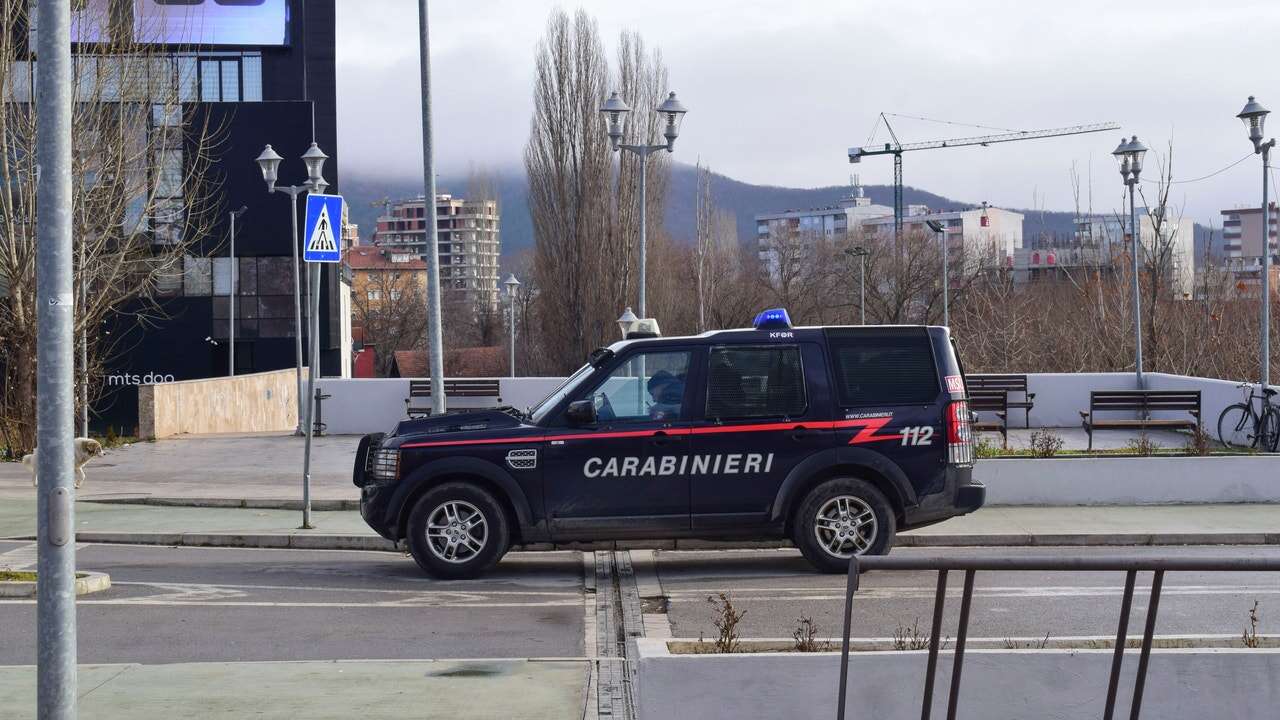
458, 531
843, 505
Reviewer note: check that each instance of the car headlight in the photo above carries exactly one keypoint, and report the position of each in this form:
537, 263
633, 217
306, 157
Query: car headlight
384, 465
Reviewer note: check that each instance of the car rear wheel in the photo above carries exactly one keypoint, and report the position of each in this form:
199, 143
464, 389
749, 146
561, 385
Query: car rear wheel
841, 518
458, 531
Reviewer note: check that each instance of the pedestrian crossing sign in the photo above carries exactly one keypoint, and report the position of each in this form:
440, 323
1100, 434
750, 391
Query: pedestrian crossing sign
323, 238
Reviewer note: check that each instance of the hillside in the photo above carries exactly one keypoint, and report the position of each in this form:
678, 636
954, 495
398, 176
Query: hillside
744, 200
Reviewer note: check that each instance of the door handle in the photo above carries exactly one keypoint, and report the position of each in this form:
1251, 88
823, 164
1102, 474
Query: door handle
800, 432
661, 439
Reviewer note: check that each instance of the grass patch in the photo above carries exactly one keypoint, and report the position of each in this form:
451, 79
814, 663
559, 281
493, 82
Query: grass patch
17, 576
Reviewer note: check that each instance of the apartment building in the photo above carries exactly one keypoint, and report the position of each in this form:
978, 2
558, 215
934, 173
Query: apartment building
468, 241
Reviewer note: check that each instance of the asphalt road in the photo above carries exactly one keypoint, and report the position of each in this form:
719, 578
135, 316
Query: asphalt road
777, 587
170, 605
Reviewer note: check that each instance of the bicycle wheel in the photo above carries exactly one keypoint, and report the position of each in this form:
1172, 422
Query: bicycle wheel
1235, 426
1269, 430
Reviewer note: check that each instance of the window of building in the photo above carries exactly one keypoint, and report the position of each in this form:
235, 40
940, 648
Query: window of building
374, 294
755, 382
883, 369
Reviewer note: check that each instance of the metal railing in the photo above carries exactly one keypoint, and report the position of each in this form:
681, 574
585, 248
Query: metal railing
1130, 564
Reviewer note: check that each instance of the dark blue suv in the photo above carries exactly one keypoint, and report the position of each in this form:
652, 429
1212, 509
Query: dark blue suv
834, 437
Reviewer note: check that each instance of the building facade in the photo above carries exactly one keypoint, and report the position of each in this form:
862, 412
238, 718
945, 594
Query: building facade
1102, 241
468, 241
257, 73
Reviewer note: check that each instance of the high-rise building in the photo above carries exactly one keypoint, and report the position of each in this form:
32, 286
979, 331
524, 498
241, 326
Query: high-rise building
1242, 234
1101, 241
468, 241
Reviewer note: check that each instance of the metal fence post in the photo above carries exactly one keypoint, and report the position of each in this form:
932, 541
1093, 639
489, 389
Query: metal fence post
55, 380
312, 372
435, 349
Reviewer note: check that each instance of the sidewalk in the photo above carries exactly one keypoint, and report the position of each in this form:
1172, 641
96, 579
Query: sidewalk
1236, 524
467, 689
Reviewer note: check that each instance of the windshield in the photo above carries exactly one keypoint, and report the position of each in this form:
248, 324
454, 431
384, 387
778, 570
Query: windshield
540, 410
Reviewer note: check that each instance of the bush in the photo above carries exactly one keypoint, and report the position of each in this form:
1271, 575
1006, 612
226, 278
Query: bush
1143, 446
727, 619
1045, 444
806, 636
1199, 443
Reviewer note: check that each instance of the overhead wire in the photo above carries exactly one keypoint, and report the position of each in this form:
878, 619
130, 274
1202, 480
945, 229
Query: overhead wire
1202, 177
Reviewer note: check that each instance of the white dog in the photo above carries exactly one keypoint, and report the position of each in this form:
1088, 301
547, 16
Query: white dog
86, 450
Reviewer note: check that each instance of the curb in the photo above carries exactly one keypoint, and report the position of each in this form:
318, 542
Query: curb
225, 503
301, 541
86, 582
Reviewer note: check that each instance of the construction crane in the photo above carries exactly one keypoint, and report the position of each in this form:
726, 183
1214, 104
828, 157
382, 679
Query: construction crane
896, 148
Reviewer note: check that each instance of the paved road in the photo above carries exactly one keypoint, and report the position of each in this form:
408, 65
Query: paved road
776, 587
170, 605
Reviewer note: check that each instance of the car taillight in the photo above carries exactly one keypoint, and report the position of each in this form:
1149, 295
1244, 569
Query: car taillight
959, 434
384, 465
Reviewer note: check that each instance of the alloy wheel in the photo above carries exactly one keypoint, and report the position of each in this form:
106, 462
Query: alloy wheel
456, 531
845, 526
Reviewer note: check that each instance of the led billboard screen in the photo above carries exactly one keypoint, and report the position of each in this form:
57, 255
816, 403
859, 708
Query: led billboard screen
182, 22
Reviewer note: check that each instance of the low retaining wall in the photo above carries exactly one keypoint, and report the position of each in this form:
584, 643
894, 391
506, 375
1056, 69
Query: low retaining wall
261, 402
1130, 480
997, 684
364, 405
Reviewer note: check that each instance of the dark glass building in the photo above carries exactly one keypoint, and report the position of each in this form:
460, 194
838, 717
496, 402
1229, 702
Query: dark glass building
259, 71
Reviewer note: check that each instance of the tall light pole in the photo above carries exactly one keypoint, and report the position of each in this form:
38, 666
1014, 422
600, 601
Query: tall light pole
941, 230
435, 341
1255, 117
231, 334
615, 111
861, 253
1129, 156
513, 286
269, 162
55, 371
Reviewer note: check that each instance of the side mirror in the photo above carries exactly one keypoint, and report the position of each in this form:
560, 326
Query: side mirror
581, 412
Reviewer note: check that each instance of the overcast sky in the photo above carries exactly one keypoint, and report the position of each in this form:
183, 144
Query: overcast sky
778, 91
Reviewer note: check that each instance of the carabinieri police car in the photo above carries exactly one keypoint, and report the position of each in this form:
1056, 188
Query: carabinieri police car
834, 437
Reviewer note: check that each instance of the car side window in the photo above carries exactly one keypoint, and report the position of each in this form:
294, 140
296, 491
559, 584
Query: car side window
647, 386
755, 382
887, 370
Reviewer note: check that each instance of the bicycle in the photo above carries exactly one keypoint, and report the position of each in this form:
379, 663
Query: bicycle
1260, 428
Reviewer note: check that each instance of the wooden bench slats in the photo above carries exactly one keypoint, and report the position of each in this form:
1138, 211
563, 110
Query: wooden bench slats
1006, 383
995, 401
1143, 401
466, 388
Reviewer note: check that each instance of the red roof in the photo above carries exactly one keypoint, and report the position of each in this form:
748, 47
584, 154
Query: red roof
374, 257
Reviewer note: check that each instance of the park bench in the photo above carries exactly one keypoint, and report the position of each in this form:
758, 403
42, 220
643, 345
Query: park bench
1009, 383
419, 389
992, 401
1143, 402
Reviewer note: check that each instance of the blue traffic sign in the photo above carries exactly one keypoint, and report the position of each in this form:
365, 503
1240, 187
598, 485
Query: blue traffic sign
323, 235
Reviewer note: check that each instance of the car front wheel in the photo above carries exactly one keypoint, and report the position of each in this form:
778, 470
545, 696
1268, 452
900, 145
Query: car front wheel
841, 518
458, 531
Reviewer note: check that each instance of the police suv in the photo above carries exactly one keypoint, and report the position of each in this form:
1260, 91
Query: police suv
834, 437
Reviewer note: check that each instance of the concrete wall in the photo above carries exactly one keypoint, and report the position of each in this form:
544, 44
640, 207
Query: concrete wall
996, 685
261, 402
1130, 480
364, 405
1061, 396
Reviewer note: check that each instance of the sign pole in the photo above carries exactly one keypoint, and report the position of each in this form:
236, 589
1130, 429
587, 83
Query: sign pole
55, 371
322, 246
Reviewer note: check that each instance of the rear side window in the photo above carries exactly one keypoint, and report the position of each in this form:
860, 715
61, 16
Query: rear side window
884, 370
755, 382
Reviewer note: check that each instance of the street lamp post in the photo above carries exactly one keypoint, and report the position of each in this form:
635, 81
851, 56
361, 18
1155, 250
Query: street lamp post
231, 296
626, 322
513, 285
269, 162
1255, 117
615, 111
941, 230
1129, 155
861, 253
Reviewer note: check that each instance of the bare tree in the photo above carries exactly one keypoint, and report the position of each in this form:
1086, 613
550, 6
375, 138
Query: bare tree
142, 198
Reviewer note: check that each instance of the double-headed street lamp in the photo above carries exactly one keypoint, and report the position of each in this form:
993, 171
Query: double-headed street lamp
1255, 117
269, 162
1129, 155
513, 286
615, 111
861, 253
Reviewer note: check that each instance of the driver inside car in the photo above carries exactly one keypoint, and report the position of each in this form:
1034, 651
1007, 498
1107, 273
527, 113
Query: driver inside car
667, 391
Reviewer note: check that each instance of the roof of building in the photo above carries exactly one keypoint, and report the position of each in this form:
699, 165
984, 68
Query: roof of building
375, 257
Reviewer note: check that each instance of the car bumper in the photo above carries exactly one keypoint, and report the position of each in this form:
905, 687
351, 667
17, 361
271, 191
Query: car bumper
970, 497
374, 504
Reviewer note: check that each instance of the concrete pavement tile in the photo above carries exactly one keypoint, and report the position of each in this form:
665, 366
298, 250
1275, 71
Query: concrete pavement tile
318, 690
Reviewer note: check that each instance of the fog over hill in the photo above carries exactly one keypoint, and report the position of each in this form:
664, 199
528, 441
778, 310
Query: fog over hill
745, 200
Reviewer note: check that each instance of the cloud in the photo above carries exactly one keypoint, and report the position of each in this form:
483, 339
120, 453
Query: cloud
777, 95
